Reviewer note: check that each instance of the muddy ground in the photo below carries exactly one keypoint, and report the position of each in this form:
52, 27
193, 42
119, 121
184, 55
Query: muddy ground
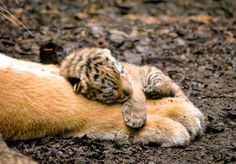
192, 41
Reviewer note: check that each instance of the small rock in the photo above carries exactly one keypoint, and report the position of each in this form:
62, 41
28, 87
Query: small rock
142, 49
145, 42
122, 33
60, 153
117, 39
202, 34
198, 35
97, 32
179, 42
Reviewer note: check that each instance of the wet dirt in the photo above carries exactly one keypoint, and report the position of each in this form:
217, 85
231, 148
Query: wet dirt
192, 41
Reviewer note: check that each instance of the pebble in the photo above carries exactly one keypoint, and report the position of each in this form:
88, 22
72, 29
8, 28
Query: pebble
179, 42
202, 34
198, 35
97, 32
145, 41
117, 39
142, 49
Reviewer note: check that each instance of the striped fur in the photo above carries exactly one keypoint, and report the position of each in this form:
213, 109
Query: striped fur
97, 75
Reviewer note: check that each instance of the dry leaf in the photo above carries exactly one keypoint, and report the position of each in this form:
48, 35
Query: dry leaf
205, 19
229, 37
142, 18
92, 9
80, 15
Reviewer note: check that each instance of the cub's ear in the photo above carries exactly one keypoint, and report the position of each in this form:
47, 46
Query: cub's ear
117, 65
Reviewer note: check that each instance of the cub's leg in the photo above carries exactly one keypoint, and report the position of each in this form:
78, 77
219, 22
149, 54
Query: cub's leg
158, 85
134, 109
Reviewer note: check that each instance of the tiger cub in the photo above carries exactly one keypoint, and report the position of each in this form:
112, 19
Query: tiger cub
97, 75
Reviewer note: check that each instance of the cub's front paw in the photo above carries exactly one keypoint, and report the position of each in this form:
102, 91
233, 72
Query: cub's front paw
134, 113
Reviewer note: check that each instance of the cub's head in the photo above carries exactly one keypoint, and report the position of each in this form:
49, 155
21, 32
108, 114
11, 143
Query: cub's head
110, 81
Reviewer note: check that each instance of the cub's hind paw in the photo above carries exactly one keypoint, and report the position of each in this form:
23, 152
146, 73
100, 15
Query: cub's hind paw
156, 85
134, 113
158, 91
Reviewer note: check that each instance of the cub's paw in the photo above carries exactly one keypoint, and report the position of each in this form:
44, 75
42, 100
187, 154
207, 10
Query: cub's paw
134, 113
157, 86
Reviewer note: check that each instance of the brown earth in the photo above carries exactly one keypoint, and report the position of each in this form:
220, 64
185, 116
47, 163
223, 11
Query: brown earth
192, 41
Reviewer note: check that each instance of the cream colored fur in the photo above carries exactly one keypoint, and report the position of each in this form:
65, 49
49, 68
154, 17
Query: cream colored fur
36, 102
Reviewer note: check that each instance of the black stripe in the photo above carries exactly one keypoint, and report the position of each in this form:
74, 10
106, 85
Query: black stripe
96, 70
87, 74
88, 64
95, 77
